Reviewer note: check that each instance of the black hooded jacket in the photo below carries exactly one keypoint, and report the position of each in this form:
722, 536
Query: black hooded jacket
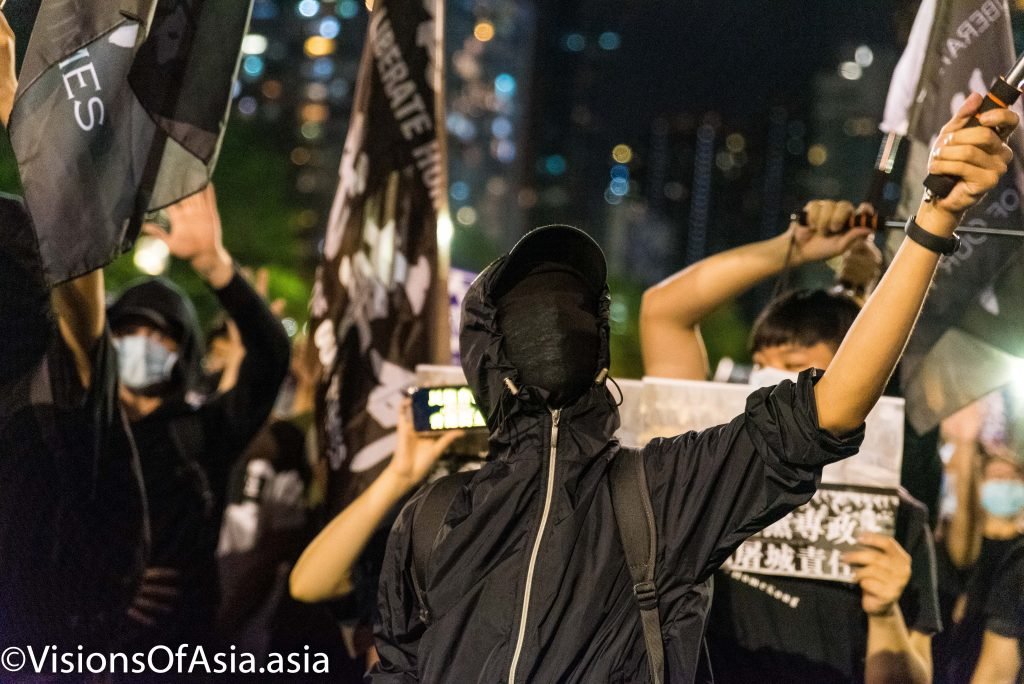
528, 571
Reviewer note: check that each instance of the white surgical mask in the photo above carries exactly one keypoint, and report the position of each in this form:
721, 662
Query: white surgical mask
143, 362
767, 376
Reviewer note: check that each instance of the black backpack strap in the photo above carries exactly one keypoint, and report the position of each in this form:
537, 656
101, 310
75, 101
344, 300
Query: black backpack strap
634, 517
426, 525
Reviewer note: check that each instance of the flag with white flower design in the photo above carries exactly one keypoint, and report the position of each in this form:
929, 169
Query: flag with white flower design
376, 304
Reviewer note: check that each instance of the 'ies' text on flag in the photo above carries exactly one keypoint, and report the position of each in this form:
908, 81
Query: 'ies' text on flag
120, 109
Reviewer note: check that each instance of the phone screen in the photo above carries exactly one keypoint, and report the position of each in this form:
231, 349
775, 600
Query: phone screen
435, 409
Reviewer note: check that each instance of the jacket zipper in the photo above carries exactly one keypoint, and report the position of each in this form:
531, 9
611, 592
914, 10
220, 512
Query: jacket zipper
555, 415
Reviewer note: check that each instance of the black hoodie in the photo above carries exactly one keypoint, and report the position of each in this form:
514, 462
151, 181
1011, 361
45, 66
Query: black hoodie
528, 571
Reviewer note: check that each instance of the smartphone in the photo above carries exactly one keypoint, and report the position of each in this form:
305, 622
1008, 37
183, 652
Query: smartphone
452, 407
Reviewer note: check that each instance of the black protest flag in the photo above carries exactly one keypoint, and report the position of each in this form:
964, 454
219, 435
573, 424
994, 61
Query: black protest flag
968, 45
120, 109
374, 313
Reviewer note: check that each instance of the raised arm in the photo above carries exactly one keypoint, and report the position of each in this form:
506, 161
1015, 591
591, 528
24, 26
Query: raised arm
672, 310
8, 79
322, 571
196, 237
865, 360
964, 529
81, 316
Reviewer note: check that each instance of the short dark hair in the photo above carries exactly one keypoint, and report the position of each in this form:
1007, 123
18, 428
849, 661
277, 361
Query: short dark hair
804, 318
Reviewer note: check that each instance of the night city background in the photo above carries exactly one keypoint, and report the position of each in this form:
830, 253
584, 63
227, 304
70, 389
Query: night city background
669, 131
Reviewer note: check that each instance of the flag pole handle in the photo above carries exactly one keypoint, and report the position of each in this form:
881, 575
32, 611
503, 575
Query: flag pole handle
855, 221
1000, 96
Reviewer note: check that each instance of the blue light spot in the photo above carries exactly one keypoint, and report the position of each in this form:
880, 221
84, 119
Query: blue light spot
264, 9
505, 84
620, 171
330, 27
461, 127
459, 191
348, 9
308, 8
323, 67
501, 127
574, 42
339, 89
555, 165
609, 40
505, 152
252, 65
247, 106
619, 186
236, 90
612, 198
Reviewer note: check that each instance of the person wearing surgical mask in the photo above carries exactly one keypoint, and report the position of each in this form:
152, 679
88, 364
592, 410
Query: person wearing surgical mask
987, 524
187, 439
886, 628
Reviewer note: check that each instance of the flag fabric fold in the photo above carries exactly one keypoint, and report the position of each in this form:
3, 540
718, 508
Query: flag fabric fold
120, 109
376, 304
969, 44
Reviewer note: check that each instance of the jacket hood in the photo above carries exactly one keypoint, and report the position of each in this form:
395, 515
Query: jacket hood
495, 381
163, 304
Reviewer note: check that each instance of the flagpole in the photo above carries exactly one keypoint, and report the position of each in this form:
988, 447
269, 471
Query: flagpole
897, 224
441, 347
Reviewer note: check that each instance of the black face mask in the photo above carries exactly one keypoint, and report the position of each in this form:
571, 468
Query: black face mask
551, 333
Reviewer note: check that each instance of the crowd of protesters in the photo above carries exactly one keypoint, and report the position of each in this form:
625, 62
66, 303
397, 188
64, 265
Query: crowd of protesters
159, 490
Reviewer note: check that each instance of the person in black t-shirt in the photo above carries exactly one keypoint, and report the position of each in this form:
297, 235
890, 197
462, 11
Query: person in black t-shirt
187, 447
72, 524
775, 629
1002, 650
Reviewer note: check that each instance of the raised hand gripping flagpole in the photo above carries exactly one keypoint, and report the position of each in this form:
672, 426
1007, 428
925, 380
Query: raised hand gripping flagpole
1003, 92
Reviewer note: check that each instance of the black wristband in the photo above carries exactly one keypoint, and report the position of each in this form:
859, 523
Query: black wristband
931, 241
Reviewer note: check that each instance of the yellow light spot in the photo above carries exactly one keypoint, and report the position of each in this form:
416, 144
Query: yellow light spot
817, 155
318, 46
483, 31
622, 154
300, 156
315, 112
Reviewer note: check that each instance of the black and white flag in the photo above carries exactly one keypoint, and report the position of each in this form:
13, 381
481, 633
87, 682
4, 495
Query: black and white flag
956, 47
120, 109
376, 302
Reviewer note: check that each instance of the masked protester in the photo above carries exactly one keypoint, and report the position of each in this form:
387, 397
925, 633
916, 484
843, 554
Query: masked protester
986, 525
187, 448
525, 578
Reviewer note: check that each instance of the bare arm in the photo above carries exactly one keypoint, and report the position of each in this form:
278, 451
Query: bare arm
865, 360
963, 533
322, 571
895, 653
999, 662
81, 316
671, 311
8, 79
